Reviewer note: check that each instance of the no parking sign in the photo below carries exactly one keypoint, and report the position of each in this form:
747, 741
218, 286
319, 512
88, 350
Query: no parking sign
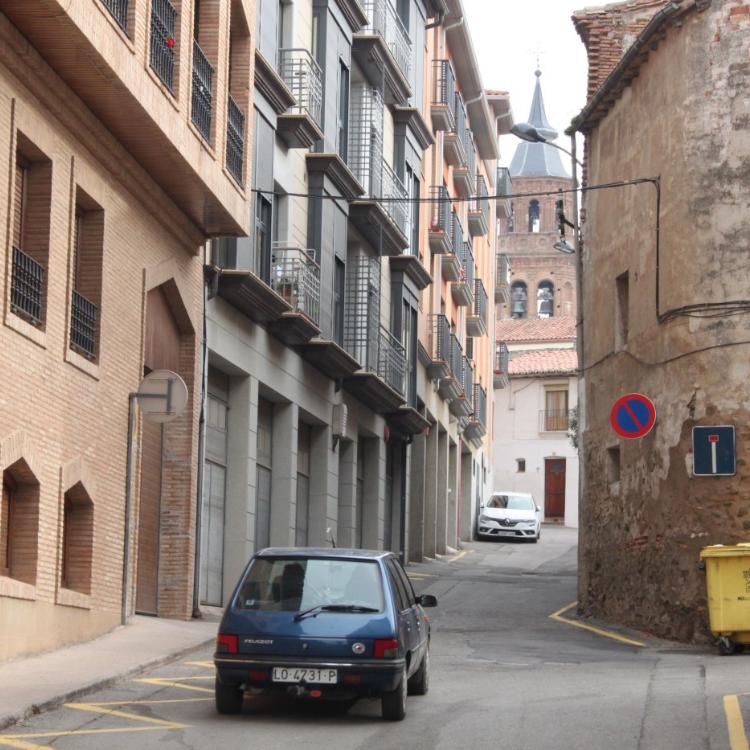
633, 416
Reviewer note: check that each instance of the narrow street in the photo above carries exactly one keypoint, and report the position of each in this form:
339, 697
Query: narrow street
503, 675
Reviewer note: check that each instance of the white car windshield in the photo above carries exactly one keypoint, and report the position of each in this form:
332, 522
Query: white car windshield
511, 502
294, 584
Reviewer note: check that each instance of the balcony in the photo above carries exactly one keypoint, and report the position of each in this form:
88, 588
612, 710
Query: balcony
454, 143
504, 187
83, 322
463, 406
501, 376
300, 125
450, 263
383, 50
295, 277
119, 11
464, 176
555, 420
476, 322
203, 78
502, 278
477, 427
443, 90
479, 209
438, 364
441, 221
235, 140
27, 288
463, 288
451, 386
163, 17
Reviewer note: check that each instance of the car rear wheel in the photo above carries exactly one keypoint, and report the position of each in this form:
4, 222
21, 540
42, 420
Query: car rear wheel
393, 703
419, 683
228, 698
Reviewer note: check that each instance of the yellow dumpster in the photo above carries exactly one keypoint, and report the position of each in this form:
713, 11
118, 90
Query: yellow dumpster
728, 584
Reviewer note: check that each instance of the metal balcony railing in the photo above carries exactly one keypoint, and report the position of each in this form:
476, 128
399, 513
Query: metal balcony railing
443, 84
459, 115
119, 11
480, 405
502, 358
396, 203
203, 81
471, 153
554, 420
362, 311
442, 213
467, 266
440, 337
163, 18
385, 21
480, 300
468, 377
455, 359
366, 138
27, 287
458, 234
504, 181
304, 77
481, 201
235, 139
296, 278
392, 361
83, 319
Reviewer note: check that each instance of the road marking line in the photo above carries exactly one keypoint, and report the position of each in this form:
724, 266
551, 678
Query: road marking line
598, 631
206, 664
100, 709
459, 556
151, 703
71, 732
19, 744
735, 723
169, 682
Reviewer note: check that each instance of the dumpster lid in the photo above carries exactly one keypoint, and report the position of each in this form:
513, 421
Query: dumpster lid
726, 550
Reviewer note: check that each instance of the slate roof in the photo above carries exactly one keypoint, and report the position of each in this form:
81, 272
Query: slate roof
544, 362
535, 330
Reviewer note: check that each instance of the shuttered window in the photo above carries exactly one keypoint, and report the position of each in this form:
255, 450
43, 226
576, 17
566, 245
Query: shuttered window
18, 204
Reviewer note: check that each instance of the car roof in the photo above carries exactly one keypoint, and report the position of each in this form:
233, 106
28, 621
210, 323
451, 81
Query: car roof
324, 552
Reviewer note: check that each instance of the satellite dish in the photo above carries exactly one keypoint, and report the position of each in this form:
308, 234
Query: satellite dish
162, 396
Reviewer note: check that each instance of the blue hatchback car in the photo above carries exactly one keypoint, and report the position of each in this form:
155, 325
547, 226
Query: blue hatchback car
324, 624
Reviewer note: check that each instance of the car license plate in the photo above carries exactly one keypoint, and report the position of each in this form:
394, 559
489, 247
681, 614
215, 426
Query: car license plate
304, 674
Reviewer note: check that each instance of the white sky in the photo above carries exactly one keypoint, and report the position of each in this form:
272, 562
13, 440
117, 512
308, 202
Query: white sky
508, 35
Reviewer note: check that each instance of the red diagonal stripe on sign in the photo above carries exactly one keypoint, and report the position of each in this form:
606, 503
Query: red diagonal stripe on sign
631, 413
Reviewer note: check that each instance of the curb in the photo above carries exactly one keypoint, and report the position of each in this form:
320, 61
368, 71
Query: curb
8, 720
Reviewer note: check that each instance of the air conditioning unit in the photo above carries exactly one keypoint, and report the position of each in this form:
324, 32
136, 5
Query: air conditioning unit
339, 420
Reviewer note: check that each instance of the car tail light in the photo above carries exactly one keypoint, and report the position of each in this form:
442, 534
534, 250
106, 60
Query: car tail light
385, 649
258, 675
226, 644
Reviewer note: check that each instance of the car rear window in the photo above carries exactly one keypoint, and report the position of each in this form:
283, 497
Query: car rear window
511, 502
276, 584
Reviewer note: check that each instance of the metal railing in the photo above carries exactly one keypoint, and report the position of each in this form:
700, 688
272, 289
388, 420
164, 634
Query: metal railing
554, 420
296, 278
459, 116
468, 377
502, 358
504, 181
304, 77
366, 138
396, 205
235, 139
362, 311
442, 213
385, 21
481, 201
163, 18
392, 361
440, 337
119, 11
480, 300
456, 358
480, 405
27, 287
467, 266
471, 153
203, 81
458, 234
443, 84
83, 318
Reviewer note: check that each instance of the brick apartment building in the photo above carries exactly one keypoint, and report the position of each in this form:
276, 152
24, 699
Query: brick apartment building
122, 125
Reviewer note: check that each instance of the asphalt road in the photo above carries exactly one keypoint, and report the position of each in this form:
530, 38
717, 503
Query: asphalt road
504, 675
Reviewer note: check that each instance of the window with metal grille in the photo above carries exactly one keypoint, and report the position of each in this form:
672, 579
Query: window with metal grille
164, 41
238, 98
119, 11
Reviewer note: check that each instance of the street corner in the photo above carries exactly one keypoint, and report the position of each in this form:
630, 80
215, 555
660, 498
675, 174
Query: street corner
567, 615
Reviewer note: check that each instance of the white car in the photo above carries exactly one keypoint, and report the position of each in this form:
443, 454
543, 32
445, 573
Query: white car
510, 514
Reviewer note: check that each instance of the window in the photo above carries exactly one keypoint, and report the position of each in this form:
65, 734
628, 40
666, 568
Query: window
303, 485
339, 282
408, 340
224, 253
343, 111
622, 303
205, 58
164, 41
78, 540
512, 502
88, 250
32, 198
519, 299
521, 465
398, 585
19, 523
534, 221
556, 410
414, 207
263, 229
545, 299
613, 465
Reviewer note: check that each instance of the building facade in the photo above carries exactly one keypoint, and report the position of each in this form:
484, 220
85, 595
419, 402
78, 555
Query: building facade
535, 445
665, 318
122, 156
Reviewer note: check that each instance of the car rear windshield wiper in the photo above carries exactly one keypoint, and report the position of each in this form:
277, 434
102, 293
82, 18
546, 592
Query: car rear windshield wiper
318, 608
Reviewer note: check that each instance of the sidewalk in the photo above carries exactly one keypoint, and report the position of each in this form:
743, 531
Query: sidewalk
36, 683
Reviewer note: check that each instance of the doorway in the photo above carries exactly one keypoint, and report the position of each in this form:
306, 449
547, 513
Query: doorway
554, 489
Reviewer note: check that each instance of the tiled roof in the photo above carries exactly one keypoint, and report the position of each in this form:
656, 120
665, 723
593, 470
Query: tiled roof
544, 362
535, 330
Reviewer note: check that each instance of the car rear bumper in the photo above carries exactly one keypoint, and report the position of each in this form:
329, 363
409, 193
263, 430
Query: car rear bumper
360, 677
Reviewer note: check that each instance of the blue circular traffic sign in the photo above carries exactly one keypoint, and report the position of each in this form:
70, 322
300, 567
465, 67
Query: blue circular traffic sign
633, 416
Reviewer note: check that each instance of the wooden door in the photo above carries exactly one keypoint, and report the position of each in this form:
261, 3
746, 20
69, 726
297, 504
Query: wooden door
554, 488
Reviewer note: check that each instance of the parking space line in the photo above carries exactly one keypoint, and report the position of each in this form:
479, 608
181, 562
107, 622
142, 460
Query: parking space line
206, 664
170, 682
97, 708
558, 616
459, 556
735, 723
19, 744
